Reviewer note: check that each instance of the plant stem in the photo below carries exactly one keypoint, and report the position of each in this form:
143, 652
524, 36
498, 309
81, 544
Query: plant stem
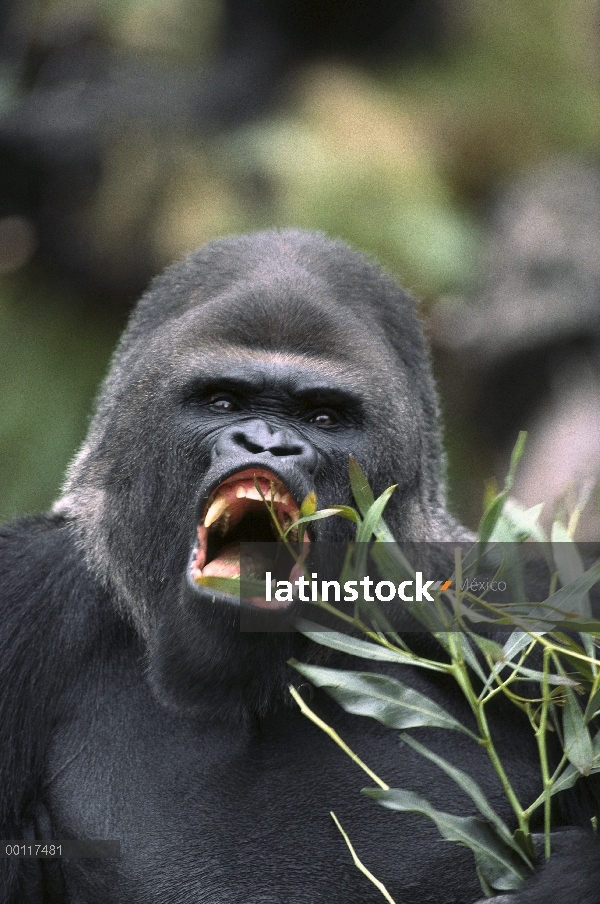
462, 678
358, 862
335, 737
540, 799
540, 737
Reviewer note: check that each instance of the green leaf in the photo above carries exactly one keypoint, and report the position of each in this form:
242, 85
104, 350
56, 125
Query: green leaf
362, 648
385, 699
536, 675
566, 779
517, 524
488, 646
496, 506
515, 458
232, 586
364, 499
490, 517
360, 487
309, 504
344, 511
473, 790
570, 775
392, 562
526, 843
501, 867
527, 674
570, 567
517, 642
373, 516
577, 740
593, 706
467, 652
567, 598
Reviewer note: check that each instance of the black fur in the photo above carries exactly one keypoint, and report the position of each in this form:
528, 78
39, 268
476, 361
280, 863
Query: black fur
132, 706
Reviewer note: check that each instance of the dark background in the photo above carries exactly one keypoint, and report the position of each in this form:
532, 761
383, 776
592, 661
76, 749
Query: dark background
456, 140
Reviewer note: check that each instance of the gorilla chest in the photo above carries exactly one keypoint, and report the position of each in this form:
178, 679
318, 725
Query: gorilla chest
209, 811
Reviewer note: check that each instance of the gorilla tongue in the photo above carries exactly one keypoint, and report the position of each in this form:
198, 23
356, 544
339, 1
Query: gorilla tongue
231, 564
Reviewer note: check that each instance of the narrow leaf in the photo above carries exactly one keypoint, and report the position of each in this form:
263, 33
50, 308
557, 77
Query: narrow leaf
490, 517
568, 596
488, 646
373, 516
363, 648
517, 524
536, 675
517, 642
232, 586
515, 458
570, 567
566, 780
570, 775
364, 499
385, 699
360, 487
309, 504
344, 511
500, 865
577, 739
593, 706
494, 509
468, 654
473, 790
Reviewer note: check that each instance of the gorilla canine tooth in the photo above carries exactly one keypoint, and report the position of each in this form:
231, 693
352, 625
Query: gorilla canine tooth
217, 508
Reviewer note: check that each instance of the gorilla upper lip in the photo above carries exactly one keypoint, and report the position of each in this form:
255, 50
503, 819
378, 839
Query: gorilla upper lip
236, 513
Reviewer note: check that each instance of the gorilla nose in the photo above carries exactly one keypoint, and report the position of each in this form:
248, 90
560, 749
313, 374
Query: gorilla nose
259, 439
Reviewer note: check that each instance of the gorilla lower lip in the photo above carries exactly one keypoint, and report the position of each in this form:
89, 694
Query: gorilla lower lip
236, 513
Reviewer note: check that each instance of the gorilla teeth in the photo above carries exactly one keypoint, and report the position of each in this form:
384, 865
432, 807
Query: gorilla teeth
217, 508
253, 493
243, 492
239, 497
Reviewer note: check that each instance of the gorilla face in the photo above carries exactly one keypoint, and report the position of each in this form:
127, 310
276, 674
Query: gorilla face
273, 427
263, 361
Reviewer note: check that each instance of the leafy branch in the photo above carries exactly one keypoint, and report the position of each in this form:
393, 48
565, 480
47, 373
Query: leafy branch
568, 676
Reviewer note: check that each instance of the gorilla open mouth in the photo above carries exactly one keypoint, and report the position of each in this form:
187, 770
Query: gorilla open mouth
236, 513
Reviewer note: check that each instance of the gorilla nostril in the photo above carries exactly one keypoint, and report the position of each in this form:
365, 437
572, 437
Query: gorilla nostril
244, 442
279, 451
256, 440
282, 451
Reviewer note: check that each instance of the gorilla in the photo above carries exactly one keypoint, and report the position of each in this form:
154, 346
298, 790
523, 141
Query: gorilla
134, 709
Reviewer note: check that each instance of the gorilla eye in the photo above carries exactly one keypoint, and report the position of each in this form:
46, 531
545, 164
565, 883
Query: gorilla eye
322, 419
222, 403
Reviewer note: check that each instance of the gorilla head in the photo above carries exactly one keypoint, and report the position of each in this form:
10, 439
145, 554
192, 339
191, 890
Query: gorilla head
262, 359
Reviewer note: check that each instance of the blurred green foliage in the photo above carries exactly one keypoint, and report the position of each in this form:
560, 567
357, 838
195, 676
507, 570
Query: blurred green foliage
53, 357
398, 160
